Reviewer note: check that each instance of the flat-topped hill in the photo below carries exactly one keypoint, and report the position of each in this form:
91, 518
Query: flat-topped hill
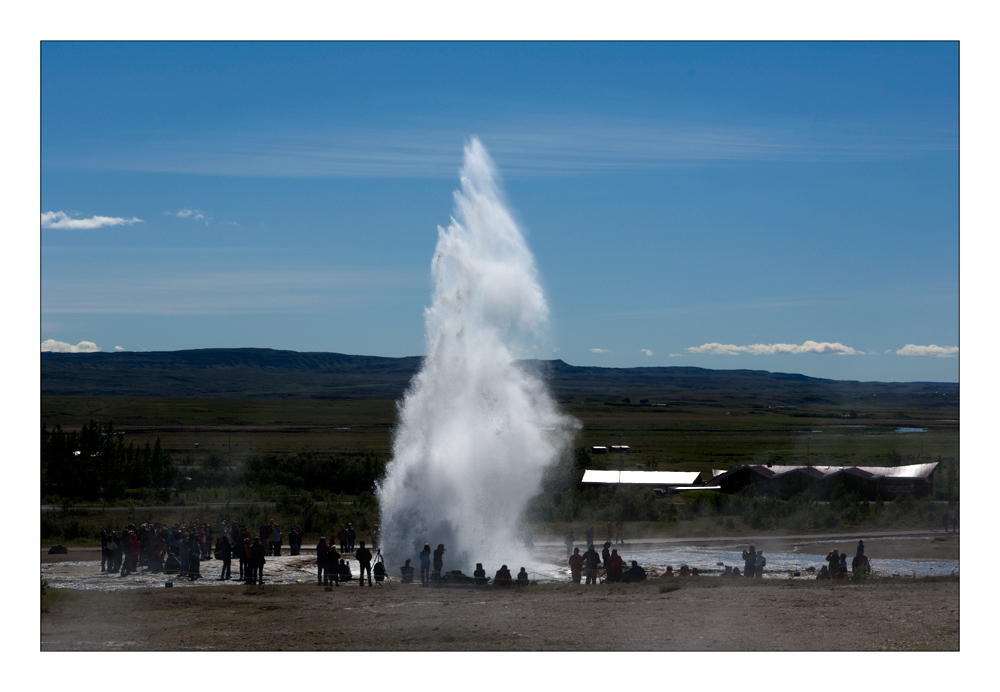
267, 373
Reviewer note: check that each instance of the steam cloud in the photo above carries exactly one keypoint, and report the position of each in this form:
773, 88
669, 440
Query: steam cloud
477, 429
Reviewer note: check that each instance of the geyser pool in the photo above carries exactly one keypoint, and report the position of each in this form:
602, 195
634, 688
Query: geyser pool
477, 429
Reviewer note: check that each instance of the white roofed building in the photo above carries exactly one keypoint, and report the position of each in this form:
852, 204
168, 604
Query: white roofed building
871, 482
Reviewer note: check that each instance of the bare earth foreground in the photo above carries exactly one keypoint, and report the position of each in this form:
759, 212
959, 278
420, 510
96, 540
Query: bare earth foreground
701, 613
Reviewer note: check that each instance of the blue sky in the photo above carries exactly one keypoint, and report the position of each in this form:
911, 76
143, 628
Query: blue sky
789, 207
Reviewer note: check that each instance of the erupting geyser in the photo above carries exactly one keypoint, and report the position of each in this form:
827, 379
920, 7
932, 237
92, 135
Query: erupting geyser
477, 429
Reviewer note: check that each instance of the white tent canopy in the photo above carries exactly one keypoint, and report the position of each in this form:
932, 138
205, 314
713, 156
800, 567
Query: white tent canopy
661, 479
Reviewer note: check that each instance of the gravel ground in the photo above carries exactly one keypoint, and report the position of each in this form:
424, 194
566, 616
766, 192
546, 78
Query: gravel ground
702, 614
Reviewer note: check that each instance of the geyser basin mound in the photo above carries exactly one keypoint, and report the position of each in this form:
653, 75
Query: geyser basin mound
476, 429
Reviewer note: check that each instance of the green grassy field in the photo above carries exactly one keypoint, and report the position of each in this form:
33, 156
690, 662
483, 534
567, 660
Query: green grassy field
694, 438
252, 426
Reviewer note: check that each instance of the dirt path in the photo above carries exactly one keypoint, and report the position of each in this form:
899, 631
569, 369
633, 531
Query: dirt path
703, 614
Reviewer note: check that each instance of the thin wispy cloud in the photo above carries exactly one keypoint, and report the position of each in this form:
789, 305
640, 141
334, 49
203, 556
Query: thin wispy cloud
192, 214
821, 348
932, 350
925, 293
223, 292
599, 350
646, 351
53, 346
535, 146
62, 220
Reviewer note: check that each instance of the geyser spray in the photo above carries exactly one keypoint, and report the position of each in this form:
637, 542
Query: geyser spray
476, 428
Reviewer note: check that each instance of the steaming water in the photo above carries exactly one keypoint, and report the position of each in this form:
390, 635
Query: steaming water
476, 428
780, 565
86, 574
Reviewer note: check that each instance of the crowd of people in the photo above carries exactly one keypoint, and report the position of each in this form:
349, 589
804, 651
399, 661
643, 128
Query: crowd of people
589, 565
609, 566
333, 568
437, 576
180, 550
753, 562
836, 567
156, 547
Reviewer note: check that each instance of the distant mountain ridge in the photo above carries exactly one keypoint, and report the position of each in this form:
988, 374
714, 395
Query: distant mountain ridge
268, 373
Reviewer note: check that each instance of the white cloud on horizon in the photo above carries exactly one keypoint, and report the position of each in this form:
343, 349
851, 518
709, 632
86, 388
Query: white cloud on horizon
822, 348
53, 346
62, 220
119, 348
599, 350
646, 351
932, 350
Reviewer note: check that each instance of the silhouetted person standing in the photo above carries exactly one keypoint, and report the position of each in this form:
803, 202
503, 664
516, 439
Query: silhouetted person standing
321, 560
833, 558
364, 558
257, 564
576, 565
243, 553
749, 561
591, 561
615, 566
105, 553
425, 564
438, 562
226, 553
758, 569
194, 559
332, 561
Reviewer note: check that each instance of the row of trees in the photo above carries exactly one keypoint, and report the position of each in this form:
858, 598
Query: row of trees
348, 475
94, 463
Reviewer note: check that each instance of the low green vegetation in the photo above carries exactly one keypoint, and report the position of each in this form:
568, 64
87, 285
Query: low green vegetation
708, 513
